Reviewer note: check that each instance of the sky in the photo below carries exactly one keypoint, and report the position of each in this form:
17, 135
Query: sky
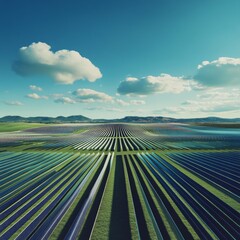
110, 59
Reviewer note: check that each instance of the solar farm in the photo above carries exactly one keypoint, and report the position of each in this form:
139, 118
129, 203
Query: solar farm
120, 181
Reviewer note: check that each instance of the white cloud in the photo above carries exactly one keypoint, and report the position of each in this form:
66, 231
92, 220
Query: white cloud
36, 96
35, 88
108, 109
164, 83
131, 79
89, 95
63, 66
90, 100
132, 102
137, 102
121, 102
65, 100
224, 71
56, 95
219, 94
13, 103
211, 101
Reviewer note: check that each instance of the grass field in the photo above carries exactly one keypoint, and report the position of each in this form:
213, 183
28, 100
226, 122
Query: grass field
11, 127
119, 181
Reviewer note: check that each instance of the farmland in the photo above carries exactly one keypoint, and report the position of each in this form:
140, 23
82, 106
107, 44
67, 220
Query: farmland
119, 181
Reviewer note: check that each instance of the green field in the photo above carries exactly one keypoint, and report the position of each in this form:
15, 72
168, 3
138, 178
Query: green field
119, 181
11, 127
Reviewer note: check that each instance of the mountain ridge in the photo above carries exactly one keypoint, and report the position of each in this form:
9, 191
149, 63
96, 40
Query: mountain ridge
127, 119
45, 119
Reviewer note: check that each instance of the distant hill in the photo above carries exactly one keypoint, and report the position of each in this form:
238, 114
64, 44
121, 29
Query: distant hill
160, 119
147, 119
127, 119
59, 119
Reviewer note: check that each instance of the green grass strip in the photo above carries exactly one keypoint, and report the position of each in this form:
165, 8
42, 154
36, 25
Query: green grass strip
101, 229
132, 214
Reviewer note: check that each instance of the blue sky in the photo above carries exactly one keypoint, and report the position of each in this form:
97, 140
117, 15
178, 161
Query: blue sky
110, 59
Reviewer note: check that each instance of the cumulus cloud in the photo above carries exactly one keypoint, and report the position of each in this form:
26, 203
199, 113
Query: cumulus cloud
63, 66
13, 103
224, 71
65, 100
211, 101
35, 88
164, 83
36, 96
89, 95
